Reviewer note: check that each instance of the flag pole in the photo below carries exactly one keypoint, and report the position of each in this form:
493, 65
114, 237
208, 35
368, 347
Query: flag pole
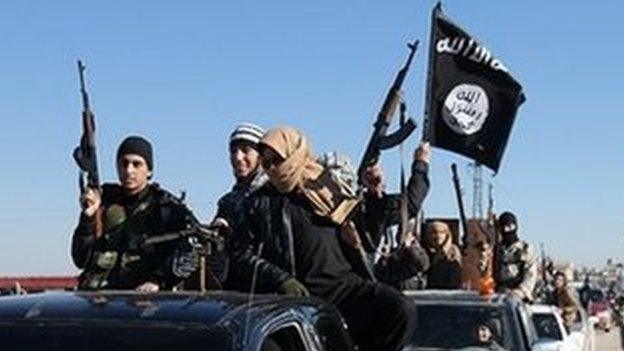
429, 94
420, 218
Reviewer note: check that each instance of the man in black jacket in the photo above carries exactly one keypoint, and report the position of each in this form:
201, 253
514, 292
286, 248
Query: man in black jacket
245, 162
403, 258
132, 211
299, 237
248, 175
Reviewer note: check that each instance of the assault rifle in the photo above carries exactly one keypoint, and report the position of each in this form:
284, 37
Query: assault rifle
460, 205
85, 154
379, 140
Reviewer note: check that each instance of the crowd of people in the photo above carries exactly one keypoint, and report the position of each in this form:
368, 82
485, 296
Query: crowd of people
294, 223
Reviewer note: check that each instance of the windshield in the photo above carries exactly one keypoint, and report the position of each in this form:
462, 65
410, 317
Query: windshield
103, 338
455, 326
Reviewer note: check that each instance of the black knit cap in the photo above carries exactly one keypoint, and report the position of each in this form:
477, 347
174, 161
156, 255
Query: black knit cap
139, 146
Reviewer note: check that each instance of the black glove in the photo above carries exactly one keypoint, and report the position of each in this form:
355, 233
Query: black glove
293, 287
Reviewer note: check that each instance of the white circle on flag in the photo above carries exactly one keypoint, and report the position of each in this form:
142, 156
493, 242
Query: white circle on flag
466, 108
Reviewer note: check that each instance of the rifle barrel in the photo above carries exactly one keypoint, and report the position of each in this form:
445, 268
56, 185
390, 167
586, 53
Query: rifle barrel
460, 204
83, 86
413, 47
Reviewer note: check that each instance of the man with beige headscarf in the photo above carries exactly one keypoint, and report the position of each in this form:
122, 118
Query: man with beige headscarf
445, 257
300, 235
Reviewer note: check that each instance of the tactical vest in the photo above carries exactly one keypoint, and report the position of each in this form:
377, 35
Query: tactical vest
512, 266
119, 259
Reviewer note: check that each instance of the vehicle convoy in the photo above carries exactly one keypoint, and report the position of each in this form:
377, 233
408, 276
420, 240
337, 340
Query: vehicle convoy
448, 320
122, 320
224, 321
552, 334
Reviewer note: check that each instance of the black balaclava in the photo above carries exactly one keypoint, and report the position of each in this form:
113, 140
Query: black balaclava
508, 227
139, 146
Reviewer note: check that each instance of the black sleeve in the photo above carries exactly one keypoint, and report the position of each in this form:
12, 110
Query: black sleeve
243, 250
417, 190
418, 186
369, 218
227, 207
401, 265
82, 241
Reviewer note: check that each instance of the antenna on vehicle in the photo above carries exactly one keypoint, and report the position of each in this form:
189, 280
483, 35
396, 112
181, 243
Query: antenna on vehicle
251, 293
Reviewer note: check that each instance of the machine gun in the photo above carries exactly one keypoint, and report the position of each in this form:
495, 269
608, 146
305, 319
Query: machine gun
379, 140
208, 237
85, 154
202, 232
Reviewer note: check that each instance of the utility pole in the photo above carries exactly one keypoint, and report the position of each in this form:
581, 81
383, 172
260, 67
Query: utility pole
477, 189
490, 211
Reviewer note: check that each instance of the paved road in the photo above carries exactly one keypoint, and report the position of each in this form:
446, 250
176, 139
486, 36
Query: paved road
611, 341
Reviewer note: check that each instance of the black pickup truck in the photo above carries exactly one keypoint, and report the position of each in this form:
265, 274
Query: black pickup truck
121, 320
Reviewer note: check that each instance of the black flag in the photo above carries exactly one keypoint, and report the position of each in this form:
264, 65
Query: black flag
471, 97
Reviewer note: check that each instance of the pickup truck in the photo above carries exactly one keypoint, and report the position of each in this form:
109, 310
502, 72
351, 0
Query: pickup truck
449, 320
552, 334
172, 321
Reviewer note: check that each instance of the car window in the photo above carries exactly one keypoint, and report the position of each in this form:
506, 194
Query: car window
40, 337
436, 322
288, 337
547, 326
331, 334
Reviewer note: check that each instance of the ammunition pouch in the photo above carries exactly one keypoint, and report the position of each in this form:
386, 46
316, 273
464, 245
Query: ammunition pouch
96, 275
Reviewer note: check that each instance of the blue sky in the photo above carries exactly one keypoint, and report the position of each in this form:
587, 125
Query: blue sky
184, 73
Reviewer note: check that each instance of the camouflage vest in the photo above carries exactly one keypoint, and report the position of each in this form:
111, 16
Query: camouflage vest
512, 264
119, 260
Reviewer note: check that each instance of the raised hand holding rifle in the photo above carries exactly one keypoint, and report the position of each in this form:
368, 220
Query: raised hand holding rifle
379, 140
86, 158
410, 231
368, 176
